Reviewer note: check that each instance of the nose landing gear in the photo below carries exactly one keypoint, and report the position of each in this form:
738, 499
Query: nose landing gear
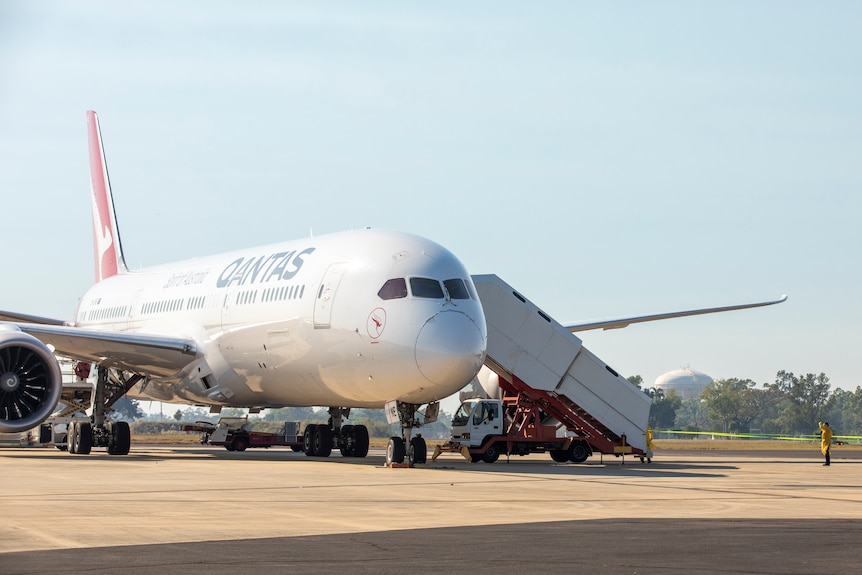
413, 449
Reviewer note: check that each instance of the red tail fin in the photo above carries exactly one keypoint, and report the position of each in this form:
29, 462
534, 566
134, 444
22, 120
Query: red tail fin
107, 249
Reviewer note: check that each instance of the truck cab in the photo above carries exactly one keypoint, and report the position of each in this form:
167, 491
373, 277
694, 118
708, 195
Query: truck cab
476, 419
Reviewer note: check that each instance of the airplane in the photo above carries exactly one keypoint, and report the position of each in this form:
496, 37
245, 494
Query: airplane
356, 319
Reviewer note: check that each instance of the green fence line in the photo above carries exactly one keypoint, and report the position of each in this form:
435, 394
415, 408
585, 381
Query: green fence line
775, 436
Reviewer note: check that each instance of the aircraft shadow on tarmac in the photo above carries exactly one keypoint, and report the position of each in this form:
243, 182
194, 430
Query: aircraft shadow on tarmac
607, 466
595, 469
665, 464
604, 467
604, 546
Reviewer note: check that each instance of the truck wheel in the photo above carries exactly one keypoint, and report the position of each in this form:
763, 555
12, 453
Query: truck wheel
491, 454
578, 452
240, 443
559, 455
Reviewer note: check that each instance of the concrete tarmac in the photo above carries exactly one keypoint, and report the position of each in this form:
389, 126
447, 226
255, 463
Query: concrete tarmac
205, 510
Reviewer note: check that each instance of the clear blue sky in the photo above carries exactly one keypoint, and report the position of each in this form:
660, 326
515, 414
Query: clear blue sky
603, 158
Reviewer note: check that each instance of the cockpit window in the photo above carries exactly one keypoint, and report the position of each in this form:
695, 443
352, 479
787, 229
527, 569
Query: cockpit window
395, 288
456, 289
427, 288
472, 289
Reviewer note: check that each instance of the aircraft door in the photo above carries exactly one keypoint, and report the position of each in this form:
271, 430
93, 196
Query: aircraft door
135, 310
326, 295
227, 307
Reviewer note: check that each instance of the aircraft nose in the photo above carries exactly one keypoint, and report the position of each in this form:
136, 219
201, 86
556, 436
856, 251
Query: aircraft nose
450, 348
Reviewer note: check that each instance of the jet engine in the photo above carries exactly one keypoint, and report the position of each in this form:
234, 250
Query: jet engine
30, 380
490, 383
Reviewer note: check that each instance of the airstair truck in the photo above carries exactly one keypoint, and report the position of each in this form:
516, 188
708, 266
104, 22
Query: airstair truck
555, 397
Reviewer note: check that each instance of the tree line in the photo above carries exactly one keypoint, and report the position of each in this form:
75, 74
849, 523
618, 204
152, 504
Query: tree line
790, 405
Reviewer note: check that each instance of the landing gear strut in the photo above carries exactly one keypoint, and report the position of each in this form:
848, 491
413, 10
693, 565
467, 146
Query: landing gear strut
413, 449
351, 440
111, 385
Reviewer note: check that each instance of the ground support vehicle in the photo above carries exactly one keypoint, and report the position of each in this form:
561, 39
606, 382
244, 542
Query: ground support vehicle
233, 434
550, 395
317, 440
485, 429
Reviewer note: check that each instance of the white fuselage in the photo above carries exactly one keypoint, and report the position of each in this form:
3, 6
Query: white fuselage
353, 319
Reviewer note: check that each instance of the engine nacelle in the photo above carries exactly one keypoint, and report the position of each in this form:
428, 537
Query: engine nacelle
490, 383
30, 380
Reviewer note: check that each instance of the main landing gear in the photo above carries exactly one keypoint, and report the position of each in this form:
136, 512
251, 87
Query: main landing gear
351, 440
413, 449
83, 436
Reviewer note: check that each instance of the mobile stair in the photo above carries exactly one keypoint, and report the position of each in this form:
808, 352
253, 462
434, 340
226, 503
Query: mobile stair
544, 364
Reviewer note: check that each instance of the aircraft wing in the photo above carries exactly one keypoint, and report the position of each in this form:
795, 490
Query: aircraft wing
142, 353
617, 323
25, 318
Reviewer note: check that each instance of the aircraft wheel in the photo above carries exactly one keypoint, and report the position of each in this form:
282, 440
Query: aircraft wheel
579, 452
491, 454
71, 439
360, 448
418, 450
348, 441
121, 439
308, 439
322, 441
395, 451
84, 437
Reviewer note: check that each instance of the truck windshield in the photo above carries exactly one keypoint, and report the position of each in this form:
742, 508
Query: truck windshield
462, 416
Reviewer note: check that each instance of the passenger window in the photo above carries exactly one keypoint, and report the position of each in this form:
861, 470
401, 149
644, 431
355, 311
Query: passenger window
427, 288
393, 289
456, 289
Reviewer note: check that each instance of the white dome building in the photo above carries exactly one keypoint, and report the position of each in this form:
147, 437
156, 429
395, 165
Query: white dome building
686, 382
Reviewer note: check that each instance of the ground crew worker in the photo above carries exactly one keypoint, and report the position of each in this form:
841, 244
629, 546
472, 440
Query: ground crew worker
649, 444
825, 439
